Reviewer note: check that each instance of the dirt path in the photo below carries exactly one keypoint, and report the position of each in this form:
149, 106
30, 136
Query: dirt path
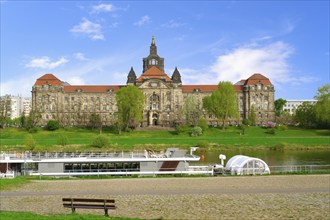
252, 197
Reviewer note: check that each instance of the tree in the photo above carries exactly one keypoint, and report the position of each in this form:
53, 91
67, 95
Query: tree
5, 110
222, 103
252, 116
95, 121
322, 107
192, 111
32, 120
305, 115
285, 119
130, 102
279, 104
52, 125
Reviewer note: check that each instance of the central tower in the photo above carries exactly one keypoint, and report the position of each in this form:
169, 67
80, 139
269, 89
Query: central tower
153, 59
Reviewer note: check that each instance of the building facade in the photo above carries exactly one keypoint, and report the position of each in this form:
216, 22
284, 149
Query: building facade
292, 105
18, 106
72, 105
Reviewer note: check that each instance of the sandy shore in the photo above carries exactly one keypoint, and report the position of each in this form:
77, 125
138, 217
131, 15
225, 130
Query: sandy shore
251, 197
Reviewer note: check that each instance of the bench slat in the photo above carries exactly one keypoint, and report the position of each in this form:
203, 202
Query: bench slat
83, 203
88, 200
89, 206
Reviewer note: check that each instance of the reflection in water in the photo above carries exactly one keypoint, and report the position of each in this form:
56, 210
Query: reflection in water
272, 158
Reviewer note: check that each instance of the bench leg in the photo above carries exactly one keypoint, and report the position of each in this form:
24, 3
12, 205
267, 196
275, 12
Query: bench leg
106, 212
73, 210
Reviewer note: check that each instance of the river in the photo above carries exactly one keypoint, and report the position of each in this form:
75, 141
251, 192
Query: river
272, 158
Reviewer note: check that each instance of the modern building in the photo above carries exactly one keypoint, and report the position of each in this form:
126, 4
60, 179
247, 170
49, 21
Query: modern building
72, 105
18, 105
292, 105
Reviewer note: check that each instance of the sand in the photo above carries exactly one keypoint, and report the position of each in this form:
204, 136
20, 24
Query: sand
248, 197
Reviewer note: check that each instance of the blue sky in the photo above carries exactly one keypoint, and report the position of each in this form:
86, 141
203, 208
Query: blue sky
97, 42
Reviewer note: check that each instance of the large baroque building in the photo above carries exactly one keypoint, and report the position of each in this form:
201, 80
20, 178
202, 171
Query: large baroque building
72, 105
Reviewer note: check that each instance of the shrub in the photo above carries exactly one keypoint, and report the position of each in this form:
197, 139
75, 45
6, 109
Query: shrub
270, 124
282, 127
182, 129
52, 125
29, 141
202, 144
270, 131
100, 141
196, 131
243, 127
203, 124
62, 140
246, 121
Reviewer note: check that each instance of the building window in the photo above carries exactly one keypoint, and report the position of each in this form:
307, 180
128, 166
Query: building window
104, 107
72, 98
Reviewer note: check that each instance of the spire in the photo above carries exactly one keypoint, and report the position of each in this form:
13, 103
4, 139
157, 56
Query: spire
131, 77
153, 40
176, 77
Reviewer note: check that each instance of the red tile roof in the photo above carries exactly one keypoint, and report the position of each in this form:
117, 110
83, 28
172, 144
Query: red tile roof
48, 79
96, 89
257, 77
205, 88
153, 73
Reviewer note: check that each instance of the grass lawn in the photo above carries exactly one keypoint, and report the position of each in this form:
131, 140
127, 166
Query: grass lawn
32, 216
14, 139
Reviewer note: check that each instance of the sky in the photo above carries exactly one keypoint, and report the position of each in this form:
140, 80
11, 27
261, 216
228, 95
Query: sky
97, 42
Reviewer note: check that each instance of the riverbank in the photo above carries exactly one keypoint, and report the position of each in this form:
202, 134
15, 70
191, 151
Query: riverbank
79, 139
248, 197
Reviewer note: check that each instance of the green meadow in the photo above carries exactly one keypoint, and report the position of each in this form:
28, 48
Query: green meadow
81, 139
32, 216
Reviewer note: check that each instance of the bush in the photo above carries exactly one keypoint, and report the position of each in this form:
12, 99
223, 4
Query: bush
202, 144
52, 125
62, 140
100, 141
196, 131
203, 124
29, 141
270, 131
282, 127
182, 129
243, 127
246, 122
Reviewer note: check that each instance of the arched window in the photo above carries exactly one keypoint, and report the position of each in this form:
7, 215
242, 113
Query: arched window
154, 102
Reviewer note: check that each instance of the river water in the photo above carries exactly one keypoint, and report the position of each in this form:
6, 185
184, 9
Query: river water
272, 158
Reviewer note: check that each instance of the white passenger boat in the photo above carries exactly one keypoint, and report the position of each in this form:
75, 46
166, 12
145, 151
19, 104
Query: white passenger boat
172, 161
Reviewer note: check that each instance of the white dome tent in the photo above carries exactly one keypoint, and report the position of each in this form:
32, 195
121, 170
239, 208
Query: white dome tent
244, 165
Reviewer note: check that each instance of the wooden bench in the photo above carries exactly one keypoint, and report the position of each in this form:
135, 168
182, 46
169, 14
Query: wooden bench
83, 203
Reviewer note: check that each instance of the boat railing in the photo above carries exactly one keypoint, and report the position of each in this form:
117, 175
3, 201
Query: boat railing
299, 168
78, 154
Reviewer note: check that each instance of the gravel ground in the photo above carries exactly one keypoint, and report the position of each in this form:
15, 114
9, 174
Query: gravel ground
251, 197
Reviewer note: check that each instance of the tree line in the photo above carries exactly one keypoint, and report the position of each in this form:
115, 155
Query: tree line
307, 115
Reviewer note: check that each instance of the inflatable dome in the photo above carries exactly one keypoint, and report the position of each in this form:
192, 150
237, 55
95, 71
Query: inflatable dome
244, 165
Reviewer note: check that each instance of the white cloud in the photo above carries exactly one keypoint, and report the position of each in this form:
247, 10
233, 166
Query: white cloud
80, 56
173, 24
270, 60
143, 20
45, 63
92, 30
24, 89
103, 8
